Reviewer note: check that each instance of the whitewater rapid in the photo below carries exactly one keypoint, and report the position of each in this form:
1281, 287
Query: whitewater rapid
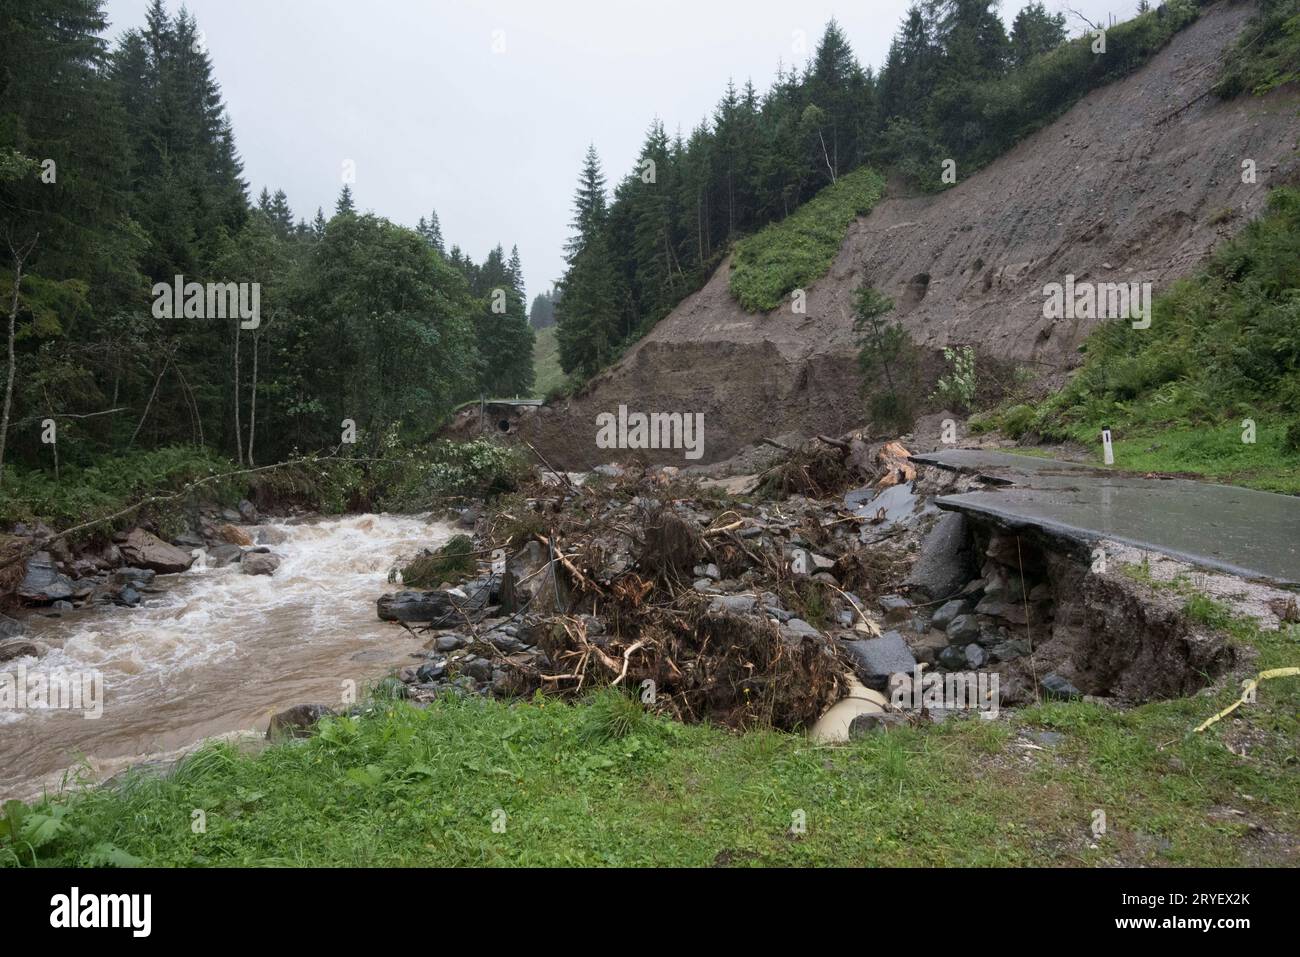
216, 651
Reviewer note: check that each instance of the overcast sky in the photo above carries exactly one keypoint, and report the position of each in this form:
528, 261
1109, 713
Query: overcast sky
483, 110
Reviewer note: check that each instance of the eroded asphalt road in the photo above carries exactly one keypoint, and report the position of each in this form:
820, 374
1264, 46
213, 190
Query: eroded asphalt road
1237, 530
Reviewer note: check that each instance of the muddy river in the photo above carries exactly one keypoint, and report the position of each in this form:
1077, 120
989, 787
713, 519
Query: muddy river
213, 651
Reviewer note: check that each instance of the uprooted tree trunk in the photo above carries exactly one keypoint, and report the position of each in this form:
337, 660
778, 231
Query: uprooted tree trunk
671, 547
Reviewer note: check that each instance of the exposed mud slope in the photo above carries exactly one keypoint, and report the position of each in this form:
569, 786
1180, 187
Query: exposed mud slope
1131, 184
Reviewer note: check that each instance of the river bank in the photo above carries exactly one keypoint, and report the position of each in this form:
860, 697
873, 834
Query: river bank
212, 650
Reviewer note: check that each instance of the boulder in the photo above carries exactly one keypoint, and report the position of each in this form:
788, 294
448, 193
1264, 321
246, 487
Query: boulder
946, 562
798, 628
298, 721
1054, 686
17, 648
9, 627
963, 629
875, 659
952, 658
895, 607
431, 671
248, 512
131, 576
144, 550
414, 606
1012, 648
942, 618
270, 535
259, 563
233, 535
734, 604
43, 583
875, 722
222, 555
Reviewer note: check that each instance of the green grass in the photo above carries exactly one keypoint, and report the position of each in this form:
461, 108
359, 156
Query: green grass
600, 783
1209, 453
547, 374
782, 257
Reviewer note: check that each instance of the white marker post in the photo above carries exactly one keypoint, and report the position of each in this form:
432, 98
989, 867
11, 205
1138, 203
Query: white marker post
1107, 450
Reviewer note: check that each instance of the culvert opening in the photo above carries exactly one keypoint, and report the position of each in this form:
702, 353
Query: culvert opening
1054, 622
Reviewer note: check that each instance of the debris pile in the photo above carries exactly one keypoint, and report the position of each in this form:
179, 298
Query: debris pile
739, 611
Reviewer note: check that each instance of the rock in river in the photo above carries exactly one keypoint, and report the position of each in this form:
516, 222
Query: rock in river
43, 583
149, 551
259, 563
414, 606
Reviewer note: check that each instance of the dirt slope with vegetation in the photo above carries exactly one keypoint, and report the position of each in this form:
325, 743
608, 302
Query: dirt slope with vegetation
1136, 183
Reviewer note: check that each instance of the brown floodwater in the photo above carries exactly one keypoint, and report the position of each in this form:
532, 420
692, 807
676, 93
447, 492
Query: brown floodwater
213, 651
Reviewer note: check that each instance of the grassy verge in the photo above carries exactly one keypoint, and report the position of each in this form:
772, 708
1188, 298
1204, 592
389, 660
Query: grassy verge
603, 783
789, 255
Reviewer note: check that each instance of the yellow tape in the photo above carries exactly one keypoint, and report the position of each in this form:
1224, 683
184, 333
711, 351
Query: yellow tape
1247, 690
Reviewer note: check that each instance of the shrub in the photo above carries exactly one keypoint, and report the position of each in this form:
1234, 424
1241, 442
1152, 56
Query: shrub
452, 561
958, 387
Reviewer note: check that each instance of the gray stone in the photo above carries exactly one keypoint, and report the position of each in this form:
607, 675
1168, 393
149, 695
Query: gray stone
878, 658
976, 656
449, 642
139, 577
270, 535
874, 723
798, 628
895, 607
248, 512
480, 669
1013, 648
963, 629
141, 549
222, 555
734, 604
259, 563
1054, 686
946, 562
942, 618
10, 628
414, 606
298, 721
952, 658
508, 644
431, 671
43, 583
